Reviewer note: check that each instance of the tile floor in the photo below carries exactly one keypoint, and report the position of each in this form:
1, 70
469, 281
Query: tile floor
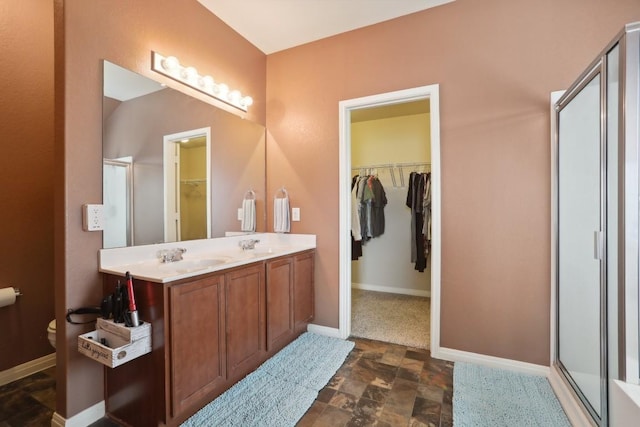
380, 384
29, 401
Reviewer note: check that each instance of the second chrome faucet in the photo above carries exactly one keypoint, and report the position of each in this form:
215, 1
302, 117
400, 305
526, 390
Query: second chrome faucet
248, 244
171, 255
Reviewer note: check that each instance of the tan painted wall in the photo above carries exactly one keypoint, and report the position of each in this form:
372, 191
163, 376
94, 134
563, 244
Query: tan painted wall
123, 32
496, 62
26, 178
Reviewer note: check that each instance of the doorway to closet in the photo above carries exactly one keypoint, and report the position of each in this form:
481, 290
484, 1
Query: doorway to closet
391, 140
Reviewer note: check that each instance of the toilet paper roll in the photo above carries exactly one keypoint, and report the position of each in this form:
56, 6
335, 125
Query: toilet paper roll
7, 296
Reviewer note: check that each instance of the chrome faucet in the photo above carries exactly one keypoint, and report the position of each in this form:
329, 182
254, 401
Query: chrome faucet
171, 255
248, 244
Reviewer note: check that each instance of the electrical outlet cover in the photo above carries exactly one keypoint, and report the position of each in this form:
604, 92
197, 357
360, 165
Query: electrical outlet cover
92, 217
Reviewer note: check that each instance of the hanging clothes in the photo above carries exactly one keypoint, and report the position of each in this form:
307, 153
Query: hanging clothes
356, 232
419, 201
368, 202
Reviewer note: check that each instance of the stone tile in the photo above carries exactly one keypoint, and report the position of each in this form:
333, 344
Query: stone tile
412, 365
312, 414
343, 401
394, 355
371, 372
437, 374
393, 419
447, 397
446, 419
354, 387
376, 393
47, 397
401, 398
105, 422
426, 412
408, 375
404, 385
422, 355
352, 358
416, 423
333, 417
430, 392
325, 395
16, 402
371, 349
37, 416
335, 382
367, 409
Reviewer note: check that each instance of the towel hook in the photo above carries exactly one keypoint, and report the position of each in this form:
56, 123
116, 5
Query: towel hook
282, 191
251, 194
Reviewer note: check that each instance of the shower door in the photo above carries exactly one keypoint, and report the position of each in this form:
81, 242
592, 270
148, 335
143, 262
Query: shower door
596, 227
581, 233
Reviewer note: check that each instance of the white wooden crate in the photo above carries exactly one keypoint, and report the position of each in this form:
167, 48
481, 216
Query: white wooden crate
117, 349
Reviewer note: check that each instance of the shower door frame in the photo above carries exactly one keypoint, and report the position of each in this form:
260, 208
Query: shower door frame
620, 297
597, 70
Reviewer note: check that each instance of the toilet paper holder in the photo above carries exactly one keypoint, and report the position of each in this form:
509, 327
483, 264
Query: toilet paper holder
17, 291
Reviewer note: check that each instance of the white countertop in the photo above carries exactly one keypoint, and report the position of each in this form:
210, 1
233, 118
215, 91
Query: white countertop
201, 256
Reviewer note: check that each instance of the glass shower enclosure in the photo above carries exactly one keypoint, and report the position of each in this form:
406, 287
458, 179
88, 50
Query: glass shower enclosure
595, 219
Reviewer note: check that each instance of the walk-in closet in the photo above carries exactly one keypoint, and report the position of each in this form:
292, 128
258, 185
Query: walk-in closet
390, 226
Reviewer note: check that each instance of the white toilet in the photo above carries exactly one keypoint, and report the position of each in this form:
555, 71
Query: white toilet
51, 333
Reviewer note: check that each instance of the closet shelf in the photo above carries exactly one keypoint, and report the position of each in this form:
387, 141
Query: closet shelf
393, 168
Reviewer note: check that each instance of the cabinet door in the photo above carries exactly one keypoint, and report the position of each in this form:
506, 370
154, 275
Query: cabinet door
279, 303
245, 314
197, 340
303, 290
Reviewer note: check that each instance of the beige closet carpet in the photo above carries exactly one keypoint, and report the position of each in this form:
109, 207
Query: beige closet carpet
394, 318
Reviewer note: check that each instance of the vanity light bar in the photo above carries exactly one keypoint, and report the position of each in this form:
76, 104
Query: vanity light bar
171, 67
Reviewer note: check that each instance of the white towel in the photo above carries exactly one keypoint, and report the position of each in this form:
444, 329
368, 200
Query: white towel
281, 221
248, 215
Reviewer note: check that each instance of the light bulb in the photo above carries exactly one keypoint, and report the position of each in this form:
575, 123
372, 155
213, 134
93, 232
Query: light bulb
247, 101
189, 73
206, 82
235, 96
170, 63
222, 90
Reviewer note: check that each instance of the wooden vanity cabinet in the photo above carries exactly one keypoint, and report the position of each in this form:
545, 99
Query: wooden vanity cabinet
303, 290
280, 302
208, 333
196, 340
245, 317
290, 299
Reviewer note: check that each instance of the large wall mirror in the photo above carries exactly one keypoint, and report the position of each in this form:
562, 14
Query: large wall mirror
175, 168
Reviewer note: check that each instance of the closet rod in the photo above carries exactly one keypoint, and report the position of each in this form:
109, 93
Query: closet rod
392, 165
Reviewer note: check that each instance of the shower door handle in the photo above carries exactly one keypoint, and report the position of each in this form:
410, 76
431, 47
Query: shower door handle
597, 245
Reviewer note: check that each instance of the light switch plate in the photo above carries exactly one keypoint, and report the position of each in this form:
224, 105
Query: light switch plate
240, 214
295, 214
92, 217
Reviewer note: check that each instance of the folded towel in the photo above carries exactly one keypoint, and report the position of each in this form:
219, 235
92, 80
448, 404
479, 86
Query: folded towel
281, 221
248, 215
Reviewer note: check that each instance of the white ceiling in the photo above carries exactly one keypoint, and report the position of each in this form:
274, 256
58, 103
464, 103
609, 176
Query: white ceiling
275, 25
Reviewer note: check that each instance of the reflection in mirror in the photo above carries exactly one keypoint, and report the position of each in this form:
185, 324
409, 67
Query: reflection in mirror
186, 183
140, 117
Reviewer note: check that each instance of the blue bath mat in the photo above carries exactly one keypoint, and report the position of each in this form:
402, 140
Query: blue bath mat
485, 396
280, 391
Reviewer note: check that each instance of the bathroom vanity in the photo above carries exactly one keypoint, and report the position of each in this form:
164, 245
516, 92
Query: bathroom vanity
212, 322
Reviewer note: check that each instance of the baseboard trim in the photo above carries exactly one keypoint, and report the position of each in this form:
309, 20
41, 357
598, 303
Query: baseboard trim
81, 419
28, 368
568, 400
391, 290
490, 361
324, 330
